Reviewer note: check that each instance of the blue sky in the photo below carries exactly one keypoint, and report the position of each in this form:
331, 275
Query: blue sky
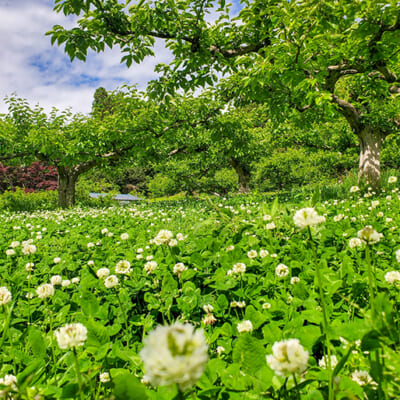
42, 73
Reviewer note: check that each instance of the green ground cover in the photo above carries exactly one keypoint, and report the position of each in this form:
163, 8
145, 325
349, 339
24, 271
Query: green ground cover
245, 272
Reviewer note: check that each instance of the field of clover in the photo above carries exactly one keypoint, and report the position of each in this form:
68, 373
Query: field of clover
224, 299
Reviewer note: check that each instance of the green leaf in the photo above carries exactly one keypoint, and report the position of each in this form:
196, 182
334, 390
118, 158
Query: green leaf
128, 387
249, 353
89, 304
37, 344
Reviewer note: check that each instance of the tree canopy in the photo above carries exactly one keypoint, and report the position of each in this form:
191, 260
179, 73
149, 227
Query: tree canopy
336, 54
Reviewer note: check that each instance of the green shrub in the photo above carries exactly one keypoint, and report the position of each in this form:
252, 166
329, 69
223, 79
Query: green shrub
161, 185
285, 170
18, 200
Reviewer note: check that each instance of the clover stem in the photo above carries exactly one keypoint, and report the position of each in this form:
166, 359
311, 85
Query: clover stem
370, 281
324, 314
78, 373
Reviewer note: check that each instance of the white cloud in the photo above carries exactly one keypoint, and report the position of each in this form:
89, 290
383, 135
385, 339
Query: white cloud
43, 74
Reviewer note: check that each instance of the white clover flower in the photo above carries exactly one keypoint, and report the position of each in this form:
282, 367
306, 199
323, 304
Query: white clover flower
267, 218
392, 277
220, 350
392, 179
150, 266
124, 236
180, 236
252, 254
71, 335
139, 251
45, 290
307, 217
29, 266
208, 308
288, 357
5, 296
174, 354
104, 377
230, 248
149, 257
369, 235
14, 244
270, 226
75, 280
103, 273
374, 203
179, 268
111, 281
139, 256
362, 378
90, 262
245, 326
355, 242
56, 280
323, 362
90, 245
29, 249
10, 252
65, 283
281, 270
163, 237
104, 231
239, 304
266, 306
397, 253
10, 381
209, 319
338, 217
354, 189
263, 253
56, 260
172, 243
239, 268
123, 267
294, 280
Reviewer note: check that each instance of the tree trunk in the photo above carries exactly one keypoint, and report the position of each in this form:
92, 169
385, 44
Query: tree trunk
66, 187
369, 171
243, 174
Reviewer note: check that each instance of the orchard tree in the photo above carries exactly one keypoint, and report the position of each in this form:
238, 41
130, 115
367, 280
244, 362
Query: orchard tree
342, 55
74, 144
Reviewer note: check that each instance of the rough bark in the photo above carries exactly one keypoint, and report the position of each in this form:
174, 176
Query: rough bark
369, 170
66, 187
243, 174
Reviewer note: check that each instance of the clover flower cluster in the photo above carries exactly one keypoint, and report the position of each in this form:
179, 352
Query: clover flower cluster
288, 357
307, 217
71, 335
238, 268
174, 354
369, 235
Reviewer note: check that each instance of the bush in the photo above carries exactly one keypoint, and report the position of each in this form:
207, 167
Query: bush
31, 178
161, 185
18, 200
296, 167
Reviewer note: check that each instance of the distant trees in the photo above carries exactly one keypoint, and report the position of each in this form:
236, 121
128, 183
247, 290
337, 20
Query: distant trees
74, 144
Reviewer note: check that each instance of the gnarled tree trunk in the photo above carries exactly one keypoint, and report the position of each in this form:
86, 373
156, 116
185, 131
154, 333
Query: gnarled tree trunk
369, 170
66, 187
243, 174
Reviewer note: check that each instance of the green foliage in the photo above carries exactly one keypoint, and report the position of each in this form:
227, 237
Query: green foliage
295, 167
160, 186
18, 200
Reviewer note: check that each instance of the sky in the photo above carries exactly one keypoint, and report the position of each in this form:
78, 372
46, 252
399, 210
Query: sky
43, 74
